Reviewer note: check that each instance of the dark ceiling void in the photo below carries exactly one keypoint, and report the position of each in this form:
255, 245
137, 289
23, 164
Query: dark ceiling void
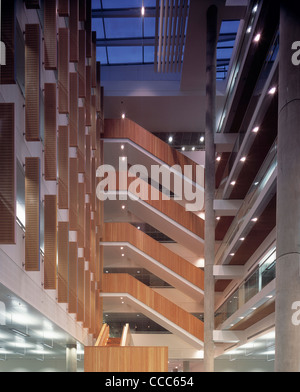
259, 232
221, 166
221, 285
222, 227
262, 144
267, 26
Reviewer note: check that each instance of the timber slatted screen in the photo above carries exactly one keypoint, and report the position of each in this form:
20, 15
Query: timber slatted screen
98, 88
81, 140
80, 310
73, 265
88, 28
88, 164
63, 262
81, 214
7, 170
50, 132
87, 250
63, 168
73, 211
94, 59
32, 214
63, 70
93, 122
87, 299
74, 40
93, 308
73, 109
32, 82
50, 38
88, 97
63, 7
81, 64
7, 72
82, 10
50, 239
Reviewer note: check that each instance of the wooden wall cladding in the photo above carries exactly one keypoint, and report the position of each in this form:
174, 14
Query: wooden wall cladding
63, 167
73, 195
125, 359
88, 97
87, 299
7, 169
73, 267
63, 262
73, 118
92, 329
88, 154
93, 130
50, 132
50, 35
82, 64
81, 215
94, 60
63, 71
80, 302
87, 248
88, 28
74, 34
64, 7
81, 140
50, 242
7, 72
32, 214
98, 87
32, 82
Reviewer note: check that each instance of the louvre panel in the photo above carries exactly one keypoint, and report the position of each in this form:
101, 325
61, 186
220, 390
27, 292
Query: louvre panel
81, 140
88, 97
87, 299
87, 249
73, 109
94, 62
99, 314
63, 71
50, 32
50, 132
88, 28
81, 276
93, 246
82, 10
7, 72
32, 4
63, 167
93, 185
32, 214
50, 242
81, 64
7, 169
63, 261
64, 7
93, 122
74, 38
32, 82
81, 214
73, 194
88, 164
73, 265
97, 257
93, 308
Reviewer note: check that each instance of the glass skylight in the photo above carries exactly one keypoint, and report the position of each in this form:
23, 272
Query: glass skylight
227, 37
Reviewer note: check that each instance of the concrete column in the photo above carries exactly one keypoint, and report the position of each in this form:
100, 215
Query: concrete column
287, 357
209, 253
71, 358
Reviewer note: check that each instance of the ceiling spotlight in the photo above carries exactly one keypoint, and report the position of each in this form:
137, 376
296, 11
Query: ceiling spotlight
218, 159
242, 239
143, 11
123, 255
218, 218
202, 139
254, 219
123, 115
170, 139
139, 228
123, 207
255, 130
193, 149
232, 254
122, 247
272, 91
255, 9
232, 183
257, 38
243, 159
183, 149
122, 147
249, 29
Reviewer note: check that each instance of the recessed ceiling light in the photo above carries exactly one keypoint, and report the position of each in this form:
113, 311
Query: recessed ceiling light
243, 159
218, 159
256, 183
123, 159
183, 149
254, 219
249, 29
232, 183
272, 91
122, 147
255, 9
139, 228
193, 149
123, 255
232, 254
122, 247
123, 207
242, 239
218, 218
123, 115
143, 11
257, 38
170, 139
255, 130
202, 139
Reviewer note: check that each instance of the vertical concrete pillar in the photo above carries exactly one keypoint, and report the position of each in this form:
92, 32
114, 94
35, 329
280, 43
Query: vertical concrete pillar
71, 358
287, 358
209, 252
